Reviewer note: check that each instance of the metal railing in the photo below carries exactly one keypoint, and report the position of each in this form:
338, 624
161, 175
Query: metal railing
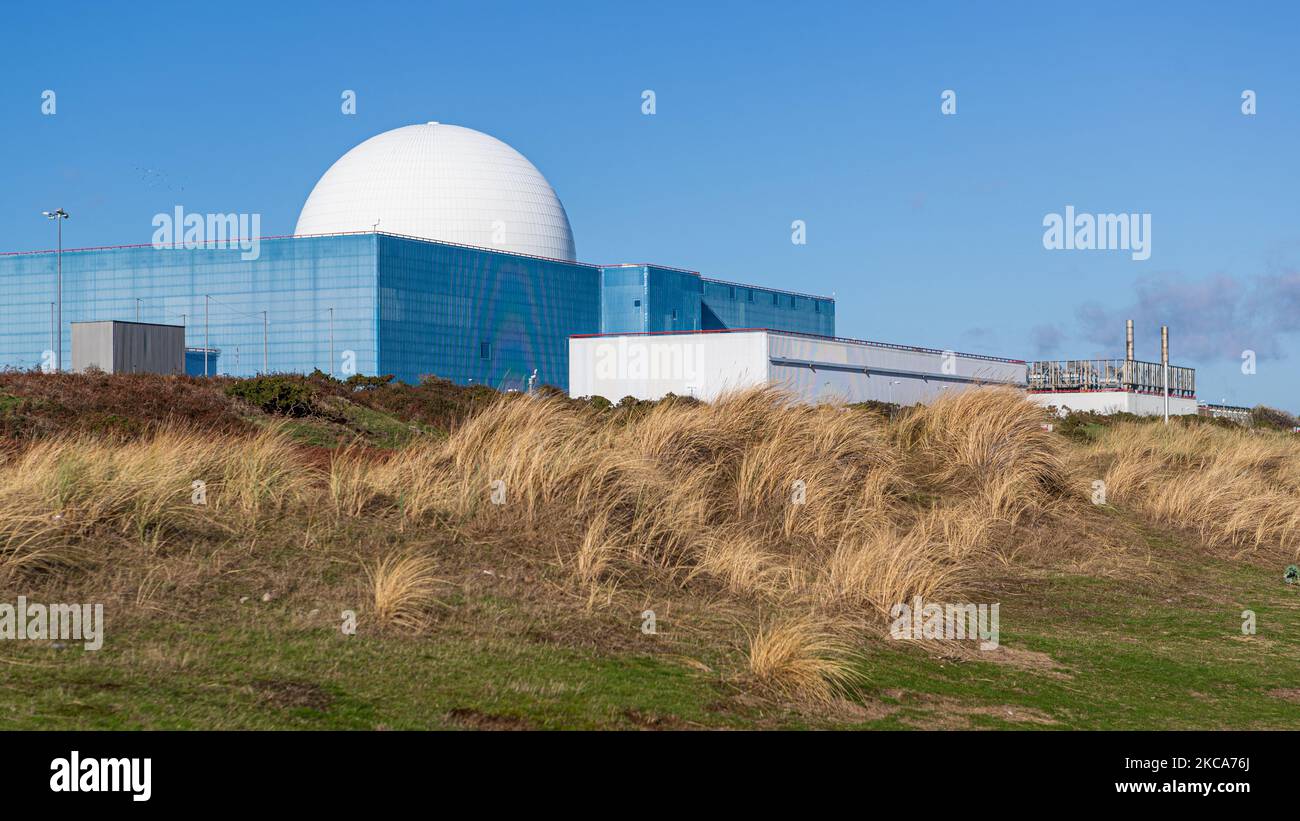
1110, 375
1234, 412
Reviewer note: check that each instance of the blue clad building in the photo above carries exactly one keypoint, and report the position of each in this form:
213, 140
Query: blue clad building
427, 250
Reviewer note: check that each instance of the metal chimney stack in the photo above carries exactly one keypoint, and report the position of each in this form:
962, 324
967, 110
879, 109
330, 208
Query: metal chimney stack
1164, 361
1127, 375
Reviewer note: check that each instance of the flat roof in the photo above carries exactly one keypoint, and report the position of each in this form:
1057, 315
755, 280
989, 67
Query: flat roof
173, 246
848, 340
717, 281
123, 322
228, 240
766, 288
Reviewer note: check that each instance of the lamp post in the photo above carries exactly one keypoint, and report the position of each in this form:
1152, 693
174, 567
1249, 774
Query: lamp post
59, 216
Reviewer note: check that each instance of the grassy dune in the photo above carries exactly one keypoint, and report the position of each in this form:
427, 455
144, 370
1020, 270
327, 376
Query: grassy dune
503, 571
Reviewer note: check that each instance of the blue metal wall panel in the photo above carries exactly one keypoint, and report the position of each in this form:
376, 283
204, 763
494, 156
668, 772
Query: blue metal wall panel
649, 299
296, 281
674, 303
624, 300
402, 306
732, 305
480, 317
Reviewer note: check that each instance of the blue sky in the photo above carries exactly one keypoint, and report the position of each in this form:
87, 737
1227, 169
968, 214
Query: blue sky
927, 228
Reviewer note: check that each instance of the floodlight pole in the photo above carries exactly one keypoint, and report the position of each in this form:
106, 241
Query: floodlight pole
266, 368
331, 371
59, 216
206, 339
58, 359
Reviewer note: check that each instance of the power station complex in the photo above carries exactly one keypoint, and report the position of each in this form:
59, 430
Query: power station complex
436, 250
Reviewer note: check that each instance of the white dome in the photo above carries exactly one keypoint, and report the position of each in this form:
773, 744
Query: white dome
441, 182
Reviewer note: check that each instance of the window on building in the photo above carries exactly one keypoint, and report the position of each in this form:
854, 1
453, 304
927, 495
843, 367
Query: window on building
817, 307
776, 300
636, 303
731, 292
485, 350
751, 294
792, 305
674, 314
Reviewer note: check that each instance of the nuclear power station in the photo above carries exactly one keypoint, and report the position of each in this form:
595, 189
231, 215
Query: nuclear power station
437, 250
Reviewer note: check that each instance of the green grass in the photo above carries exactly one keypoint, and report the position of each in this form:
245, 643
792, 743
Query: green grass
315, 432
351, 422
270, 677
1116, 654
379, 428
1127, 656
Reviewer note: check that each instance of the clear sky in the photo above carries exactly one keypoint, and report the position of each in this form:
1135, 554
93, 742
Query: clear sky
927, 228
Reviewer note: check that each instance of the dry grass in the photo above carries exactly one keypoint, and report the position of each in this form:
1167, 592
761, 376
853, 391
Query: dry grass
1235, 488
57, 494
820, 509
404, 588
990, 442
803, 658
828, 515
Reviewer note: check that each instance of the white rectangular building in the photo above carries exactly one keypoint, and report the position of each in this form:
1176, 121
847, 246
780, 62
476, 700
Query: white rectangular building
705, 364
1113, 386
1115, 401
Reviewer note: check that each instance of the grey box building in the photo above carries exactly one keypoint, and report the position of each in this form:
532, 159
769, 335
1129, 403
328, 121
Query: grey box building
128, 347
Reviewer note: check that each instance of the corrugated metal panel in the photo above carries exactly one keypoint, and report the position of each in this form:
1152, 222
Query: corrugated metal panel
92, 346
814, 369
128, 347
824, 369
